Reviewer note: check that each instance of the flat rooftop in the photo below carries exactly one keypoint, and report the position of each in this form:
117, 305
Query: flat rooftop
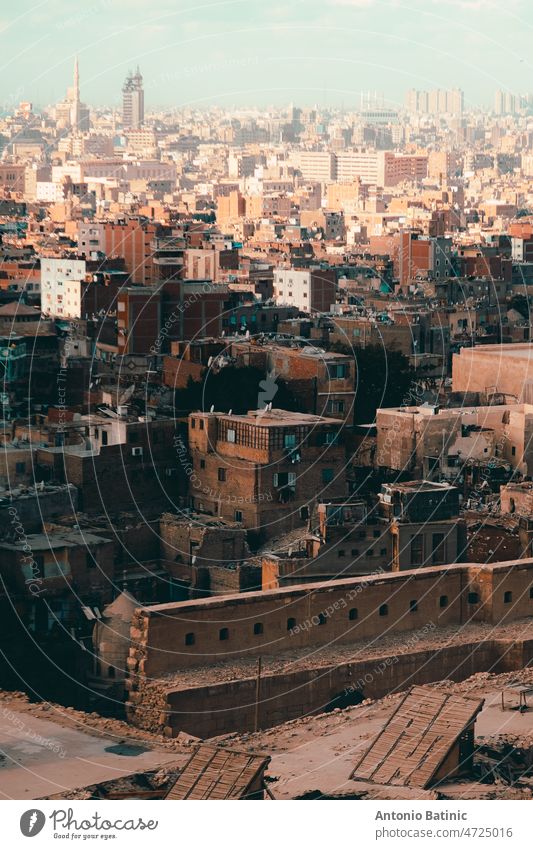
278, 418
519, 350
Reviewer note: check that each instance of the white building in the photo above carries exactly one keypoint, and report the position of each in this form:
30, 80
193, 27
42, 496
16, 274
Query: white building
61, 289
47, 192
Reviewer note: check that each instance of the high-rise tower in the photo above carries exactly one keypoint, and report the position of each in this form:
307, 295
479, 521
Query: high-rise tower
133, 101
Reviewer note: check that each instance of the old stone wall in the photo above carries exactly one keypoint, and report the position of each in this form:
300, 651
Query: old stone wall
230, 706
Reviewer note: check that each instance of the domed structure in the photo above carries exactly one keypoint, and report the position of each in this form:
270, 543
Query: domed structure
111, 637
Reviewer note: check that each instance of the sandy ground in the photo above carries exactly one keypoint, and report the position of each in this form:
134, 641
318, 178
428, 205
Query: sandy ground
38, 757
319, 752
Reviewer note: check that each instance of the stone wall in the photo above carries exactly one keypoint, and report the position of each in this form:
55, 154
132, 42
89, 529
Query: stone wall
169, 639
230, 706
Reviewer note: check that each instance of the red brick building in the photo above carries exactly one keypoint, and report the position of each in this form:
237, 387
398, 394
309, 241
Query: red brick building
265, 469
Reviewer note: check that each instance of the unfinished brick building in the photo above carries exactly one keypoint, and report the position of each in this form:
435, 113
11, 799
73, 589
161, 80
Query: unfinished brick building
265, 469
322, 383
413, 525
207, 556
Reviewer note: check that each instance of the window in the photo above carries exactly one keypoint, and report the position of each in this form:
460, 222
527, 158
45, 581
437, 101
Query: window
335, 407
417, 550
513, 451
353, 614
383, 552
507, 597
291, 623
377, 534
355, 552
337, 372
223, 634
133, 436
222, 474
384, 610
230, 436
413, 605
438, 546
189, 639
258, 628
327, 475
531, 592
443, 601
202, 464
238, 515
20, 468
321, 619
473, 598
289, 440
104, 437
284, 479
341, 552
202, 424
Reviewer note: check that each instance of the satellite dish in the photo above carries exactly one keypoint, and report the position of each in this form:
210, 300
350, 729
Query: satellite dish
212, 410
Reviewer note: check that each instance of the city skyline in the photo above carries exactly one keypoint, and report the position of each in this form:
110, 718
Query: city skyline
230, 52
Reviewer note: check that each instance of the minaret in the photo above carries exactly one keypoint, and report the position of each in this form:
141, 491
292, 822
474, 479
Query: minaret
76, 79
75, 108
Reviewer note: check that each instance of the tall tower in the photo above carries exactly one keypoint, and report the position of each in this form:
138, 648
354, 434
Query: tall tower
77, 78
75, 98
133, 101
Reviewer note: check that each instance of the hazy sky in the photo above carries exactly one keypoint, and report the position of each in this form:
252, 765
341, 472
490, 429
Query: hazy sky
259, 52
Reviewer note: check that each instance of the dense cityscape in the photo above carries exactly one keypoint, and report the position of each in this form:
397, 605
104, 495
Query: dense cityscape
266, 479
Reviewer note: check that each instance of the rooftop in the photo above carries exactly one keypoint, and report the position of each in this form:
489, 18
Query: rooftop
277, 418
418, 738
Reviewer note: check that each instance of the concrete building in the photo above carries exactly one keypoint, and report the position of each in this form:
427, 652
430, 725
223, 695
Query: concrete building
309, 291
319, 166
133, 101
493, 369
60, 286
424, 257
429, 441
